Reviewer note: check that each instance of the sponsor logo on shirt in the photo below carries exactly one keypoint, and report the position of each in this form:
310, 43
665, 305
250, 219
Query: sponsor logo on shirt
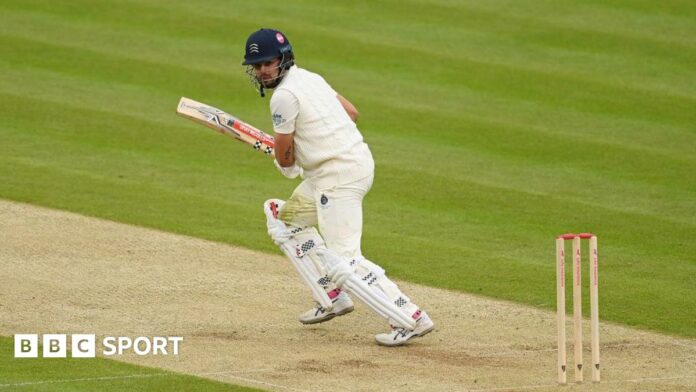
278, 119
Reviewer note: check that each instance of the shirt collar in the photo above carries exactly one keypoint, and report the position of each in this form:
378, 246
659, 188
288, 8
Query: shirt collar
288, 73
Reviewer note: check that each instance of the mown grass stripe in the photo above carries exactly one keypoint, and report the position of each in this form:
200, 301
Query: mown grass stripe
151, 142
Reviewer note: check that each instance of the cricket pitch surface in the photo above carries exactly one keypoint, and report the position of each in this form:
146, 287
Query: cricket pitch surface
237, 311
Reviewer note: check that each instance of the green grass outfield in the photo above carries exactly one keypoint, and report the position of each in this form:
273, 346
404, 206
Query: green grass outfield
495, 125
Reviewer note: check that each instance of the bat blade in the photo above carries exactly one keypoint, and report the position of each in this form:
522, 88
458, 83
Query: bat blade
225, 123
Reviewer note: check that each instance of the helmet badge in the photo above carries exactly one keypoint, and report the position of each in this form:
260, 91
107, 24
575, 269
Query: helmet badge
254, 48
280, 38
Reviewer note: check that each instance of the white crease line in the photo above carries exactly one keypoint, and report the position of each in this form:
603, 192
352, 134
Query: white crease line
648, 379
230, 374
106, 378
20, 384
545, 386
523, 352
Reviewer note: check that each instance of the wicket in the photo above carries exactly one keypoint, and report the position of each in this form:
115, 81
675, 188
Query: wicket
577, 304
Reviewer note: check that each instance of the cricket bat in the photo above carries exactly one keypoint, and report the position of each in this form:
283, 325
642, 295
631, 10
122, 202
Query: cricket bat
225, 123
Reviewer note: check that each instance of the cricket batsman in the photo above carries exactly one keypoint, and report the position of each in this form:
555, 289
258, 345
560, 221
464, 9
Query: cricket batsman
319, 227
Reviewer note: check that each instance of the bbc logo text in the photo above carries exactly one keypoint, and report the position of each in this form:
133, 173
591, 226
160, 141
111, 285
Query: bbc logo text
85, 345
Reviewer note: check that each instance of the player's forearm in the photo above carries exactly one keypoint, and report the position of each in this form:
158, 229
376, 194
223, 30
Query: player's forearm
285, 149
285, 157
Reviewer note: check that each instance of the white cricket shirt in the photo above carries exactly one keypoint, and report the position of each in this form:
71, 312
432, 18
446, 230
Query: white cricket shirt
328, 145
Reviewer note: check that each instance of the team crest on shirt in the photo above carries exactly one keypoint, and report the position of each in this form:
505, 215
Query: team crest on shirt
278, 119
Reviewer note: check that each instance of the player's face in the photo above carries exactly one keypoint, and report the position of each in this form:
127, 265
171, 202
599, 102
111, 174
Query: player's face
267, 72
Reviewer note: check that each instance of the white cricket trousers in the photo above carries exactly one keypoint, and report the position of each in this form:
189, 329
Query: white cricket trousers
336, 211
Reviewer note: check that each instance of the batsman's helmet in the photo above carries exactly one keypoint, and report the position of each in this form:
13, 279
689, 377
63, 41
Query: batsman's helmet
265, 45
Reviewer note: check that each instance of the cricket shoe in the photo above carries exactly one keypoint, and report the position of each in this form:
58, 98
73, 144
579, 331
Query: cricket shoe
342, 304
399, 336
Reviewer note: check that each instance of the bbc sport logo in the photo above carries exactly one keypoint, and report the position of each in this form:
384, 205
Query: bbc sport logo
85, 345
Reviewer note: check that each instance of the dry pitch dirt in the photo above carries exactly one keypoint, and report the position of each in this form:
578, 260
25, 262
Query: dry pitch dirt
66, 273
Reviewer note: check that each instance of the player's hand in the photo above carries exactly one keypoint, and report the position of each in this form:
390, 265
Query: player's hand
277, 229
290, 171
280, 235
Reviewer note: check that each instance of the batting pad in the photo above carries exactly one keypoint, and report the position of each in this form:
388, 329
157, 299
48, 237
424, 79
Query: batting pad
343, 275
301, 250
375, 277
